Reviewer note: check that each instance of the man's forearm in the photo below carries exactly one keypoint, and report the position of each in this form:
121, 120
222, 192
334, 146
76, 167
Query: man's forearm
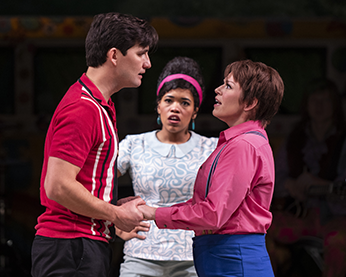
68, 192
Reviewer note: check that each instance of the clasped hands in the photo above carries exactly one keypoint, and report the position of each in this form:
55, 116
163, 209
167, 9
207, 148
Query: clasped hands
147, 211
143, 211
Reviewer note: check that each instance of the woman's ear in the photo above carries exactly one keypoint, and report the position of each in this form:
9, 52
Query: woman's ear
249, 107
158, 110
195, 113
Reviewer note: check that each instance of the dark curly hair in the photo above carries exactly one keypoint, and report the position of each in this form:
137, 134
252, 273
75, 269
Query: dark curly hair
182, 65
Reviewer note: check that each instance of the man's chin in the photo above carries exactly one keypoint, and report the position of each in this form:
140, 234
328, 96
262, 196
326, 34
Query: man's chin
138, 83
135, 85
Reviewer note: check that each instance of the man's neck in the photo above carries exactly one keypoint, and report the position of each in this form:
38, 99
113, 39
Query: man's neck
104, 82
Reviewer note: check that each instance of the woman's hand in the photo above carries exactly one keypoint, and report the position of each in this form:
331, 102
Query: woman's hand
148, 212
143, 226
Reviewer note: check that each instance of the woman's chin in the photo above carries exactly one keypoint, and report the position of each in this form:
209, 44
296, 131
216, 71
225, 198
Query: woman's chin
215, 113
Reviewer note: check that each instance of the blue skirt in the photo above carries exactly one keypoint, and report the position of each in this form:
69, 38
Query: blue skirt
232, 255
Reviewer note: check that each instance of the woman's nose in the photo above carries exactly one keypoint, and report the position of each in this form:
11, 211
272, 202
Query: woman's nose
218, 90
175, 106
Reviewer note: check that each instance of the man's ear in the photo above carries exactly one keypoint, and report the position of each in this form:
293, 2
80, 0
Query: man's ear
249, 107
112, 55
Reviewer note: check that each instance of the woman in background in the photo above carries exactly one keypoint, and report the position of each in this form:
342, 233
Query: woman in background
163, 165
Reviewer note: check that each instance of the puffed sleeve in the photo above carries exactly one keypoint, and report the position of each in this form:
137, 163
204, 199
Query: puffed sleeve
124, 158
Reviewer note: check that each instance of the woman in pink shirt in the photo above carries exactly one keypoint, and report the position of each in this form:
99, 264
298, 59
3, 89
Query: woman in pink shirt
229, 210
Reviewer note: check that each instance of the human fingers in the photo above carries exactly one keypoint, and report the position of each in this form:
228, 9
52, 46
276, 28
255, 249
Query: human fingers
141, 237
126, 199
139, 201
142, 229
144, 224
135, 232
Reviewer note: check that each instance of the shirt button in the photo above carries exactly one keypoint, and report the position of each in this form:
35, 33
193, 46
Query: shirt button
165, 225
187, 228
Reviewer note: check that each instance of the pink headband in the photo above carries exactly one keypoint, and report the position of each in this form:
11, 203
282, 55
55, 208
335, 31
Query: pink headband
188, 78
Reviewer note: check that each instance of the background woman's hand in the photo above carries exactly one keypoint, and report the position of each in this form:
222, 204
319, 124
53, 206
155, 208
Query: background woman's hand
143, 226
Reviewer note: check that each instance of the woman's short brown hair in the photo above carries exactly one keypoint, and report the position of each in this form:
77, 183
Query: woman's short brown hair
261, 82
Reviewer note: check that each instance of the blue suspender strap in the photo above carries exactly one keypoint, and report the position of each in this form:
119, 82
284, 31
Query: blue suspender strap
216, 160
256, 133
212, 169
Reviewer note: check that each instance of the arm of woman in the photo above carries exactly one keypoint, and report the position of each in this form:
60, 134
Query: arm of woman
149, 212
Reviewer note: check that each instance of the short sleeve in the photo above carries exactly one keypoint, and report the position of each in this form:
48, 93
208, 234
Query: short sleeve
75, 133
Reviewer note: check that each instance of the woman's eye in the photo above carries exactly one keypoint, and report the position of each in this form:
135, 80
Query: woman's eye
184, 103
228, 86
167, 100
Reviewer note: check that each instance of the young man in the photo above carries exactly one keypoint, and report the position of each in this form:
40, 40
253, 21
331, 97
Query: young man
78, 182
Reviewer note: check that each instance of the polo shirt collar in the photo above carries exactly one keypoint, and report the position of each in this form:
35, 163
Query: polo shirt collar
240, 129
96, 93
165, 149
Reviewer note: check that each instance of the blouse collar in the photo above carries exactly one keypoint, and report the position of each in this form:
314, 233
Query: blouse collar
166, 149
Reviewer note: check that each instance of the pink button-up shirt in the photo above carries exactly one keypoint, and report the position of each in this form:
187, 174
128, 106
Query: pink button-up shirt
240, 190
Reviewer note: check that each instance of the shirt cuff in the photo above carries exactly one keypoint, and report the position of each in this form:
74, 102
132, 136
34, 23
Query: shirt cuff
163, 219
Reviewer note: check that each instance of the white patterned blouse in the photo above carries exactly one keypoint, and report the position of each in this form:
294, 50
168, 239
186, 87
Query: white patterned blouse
163, 174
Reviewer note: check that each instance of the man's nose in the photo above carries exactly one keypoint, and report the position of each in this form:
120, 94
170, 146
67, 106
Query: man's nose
147, 63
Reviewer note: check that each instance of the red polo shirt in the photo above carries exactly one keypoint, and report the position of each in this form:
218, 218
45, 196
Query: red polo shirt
82, 132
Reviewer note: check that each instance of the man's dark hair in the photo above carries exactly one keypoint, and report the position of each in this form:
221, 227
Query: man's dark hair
121, 31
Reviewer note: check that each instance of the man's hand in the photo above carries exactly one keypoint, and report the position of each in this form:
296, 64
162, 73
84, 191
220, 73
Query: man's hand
127, 199
144, 227
148, 212
128, 216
